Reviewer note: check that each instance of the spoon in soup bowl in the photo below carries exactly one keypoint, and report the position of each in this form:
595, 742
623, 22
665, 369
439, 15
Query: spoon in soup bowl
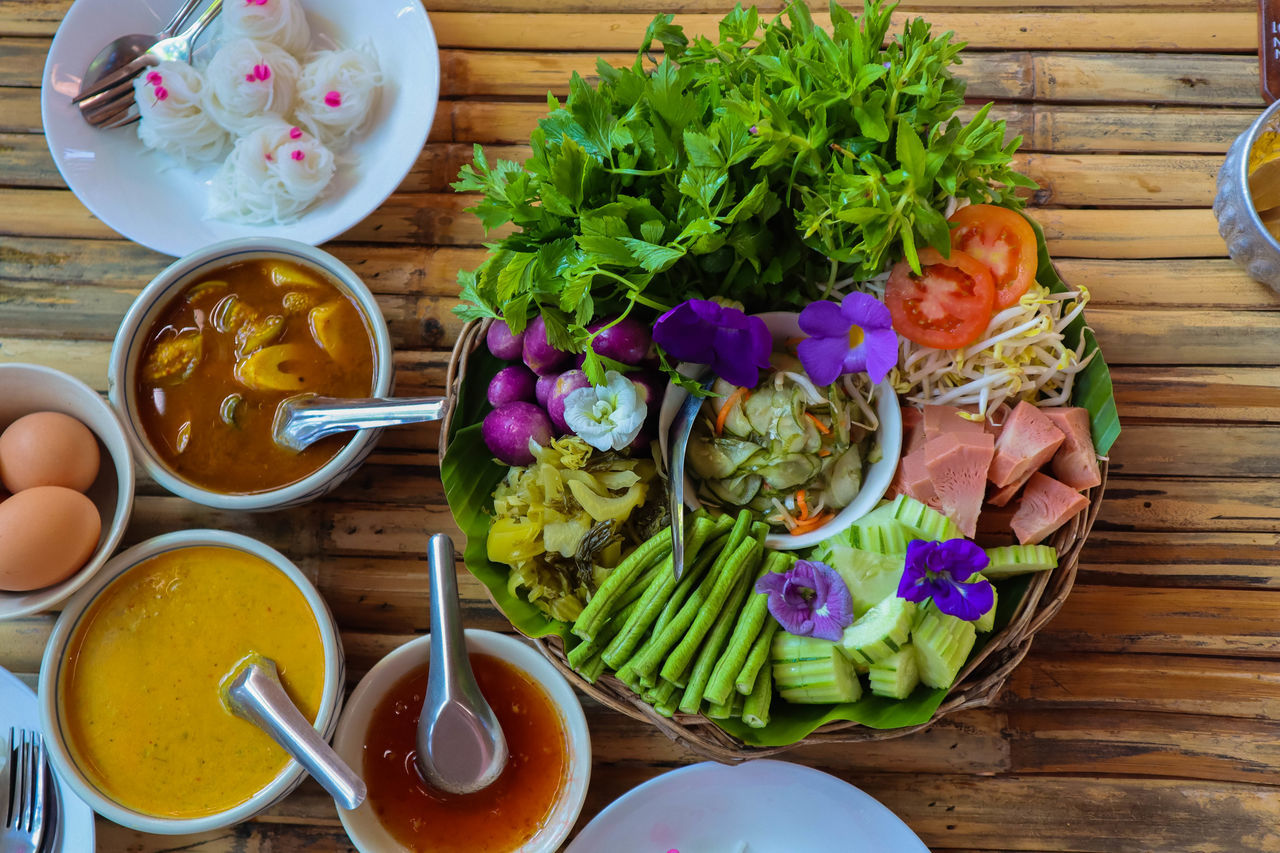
253, 692
460, 745
304, 419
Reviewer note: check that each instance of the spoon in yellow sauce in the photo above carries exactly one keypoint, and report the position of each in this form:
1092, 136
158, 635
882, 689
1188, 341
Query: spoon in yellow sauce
252, 691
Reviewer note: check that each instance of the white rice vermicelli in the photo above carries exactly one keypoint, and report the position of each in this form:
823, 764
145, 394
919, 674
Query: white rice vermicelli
336, 93
273, 174
280, 22
173, 118
250, 83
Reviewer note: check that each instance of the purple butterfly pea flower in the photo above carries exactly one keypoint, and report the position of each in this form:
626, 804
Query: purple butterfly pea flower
855, 336
703, 332
941, 571
809, 600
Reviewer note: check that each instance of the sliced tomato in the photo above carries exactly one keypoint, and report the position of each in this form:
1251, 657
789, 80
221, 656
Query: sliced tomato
1003, 241
947, 306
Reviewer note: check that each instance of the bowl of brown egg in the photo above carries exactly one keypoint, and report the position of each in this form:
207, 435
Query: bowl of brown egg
66, 486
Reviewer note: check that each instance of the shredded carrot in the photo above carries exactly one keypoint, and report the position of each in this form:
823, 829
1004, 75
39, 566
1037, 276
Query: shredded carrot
812, 523
804, 507
824, 452
822, 428
723, 414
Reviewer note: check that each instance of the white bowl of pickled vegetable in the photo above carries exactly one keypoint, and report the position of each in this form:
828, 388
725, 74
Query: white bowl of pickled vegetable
810, 459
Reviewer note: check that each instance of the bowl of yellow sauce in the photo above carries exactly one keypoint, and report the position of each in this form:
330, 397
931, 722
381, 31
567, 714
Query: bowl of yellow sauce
129, 684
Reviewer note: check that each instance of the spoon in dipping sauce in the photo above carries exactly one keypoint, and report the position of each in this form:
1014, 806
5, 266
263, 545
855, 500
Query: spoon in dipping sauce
253, 692
461, 747
304, 419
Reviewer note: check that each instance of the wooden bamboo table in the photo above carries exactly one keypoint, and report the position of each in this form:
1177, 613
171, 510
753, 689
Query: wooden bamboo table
1147, 717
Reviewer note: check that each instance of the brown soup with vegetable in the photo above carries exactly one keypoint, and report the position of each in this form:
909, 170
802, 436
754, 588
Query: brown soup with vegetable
224, 354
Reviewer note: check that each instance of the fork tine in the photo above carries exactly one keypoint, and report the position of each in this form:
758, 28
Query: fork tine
107, 96
12, 767
126, 119
124, 74
36, 825
103, 116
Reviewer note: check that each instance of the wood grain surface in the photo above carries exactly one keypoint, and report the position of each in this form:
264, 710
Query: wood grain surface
1147, 716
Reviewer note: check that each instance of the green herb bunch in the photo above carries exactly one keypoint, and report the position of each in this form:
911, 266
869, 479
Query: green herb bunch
761, 168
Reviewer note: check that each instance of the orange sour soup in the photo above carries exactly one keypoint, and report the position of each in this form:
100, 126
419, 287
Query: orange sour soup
496, 820
227, 350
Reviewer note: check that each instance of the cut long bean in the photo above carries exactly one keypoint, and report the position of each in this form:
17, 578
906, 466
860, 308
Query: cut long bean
689, 581
748, 627
655, 597
711, 649
755, 710
623, 575
588, 649
743, 561
756, 658
729, 710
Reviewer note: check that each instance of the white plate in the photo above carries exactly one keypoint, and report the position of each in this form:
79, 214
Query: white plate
18, 708
148, 199
757, 807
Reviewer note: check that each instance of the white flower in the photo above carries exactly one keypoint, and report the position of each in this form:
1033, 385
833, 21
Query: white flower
609, 416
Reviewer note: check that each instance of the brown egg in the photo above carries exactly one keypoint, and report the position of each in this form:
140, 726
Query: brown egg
46, 534
48, 449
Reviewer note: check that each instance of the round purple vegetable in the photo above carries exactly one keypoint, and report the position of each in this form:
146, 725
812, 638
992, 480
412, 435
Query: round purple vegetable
542, 389
626, 341
650, 386
539, 354
512, 384
508, 428
502, 343
566, 384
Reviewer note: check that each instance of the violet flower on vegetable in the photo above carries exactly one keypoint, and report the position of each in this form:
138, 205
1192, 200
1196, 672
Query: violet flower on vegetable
855, 336
809, 600
737, 347
608, 416
941, 571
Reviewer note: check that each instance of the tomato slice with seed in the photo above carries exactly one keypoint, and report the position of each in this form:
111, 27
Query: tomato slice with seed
947, 306
1003, 241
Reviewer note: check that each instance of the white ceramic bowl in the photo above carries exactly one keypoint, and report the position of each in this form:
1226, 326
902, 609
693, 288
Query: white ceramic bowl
56, 651
27, 388
784, 325
152, 301
362, 825
149, 200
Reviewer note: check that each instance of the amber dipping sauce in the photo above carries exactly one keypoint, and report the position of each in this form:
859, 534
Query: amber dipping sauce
496, 820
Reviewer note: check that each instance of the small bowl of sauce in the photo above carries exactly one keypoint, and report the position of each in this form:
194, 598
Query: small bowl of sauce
531, 807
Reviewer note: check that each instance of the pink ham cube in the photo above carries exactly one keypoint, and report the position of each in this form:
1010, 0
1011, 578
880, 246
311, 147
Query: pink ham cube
957, 463
1029, 439
1075, 463
1046, 505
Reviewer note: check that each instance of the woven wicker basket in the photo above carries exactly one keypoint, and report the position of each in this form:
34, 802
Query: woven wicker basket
979, 682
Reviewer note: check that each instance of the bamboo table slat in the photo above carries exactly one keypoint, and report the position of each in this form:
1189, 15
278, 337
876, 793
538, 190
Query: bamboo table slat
1147, 716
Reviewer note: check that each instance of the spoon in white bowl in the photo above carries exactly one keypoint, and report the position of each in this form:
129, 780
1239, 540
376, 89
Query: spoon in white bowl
253, 692
461, 747
304, 419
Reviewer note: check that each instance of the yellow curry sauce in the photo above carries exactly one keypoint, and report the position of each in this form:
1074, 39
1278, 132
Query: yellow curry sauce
139, 688
227, 350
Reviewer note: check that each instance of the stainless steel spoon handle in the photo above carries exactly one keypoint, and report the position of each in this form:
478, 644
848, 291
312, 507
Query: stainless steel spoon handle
260, 698
172, 27
448, 644
302, 421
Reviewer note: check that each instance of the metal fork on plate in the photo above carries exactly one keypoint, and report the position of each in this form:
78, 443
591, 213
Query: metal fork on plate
110, 103
29, 787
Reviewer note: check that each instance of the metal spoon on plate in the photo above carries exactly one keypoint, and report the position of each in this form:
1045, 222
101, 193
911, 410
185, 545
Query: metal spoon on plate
253, 692
123, 50
461, 747
304, 419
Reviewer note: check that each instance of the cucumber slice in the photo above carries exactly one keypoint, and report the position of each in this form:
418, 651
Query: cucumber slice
942, 645
883, 631
788, 648
1019, 560
818, 681
881, 537
925, 520
897, 675
984, 623
871, 578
